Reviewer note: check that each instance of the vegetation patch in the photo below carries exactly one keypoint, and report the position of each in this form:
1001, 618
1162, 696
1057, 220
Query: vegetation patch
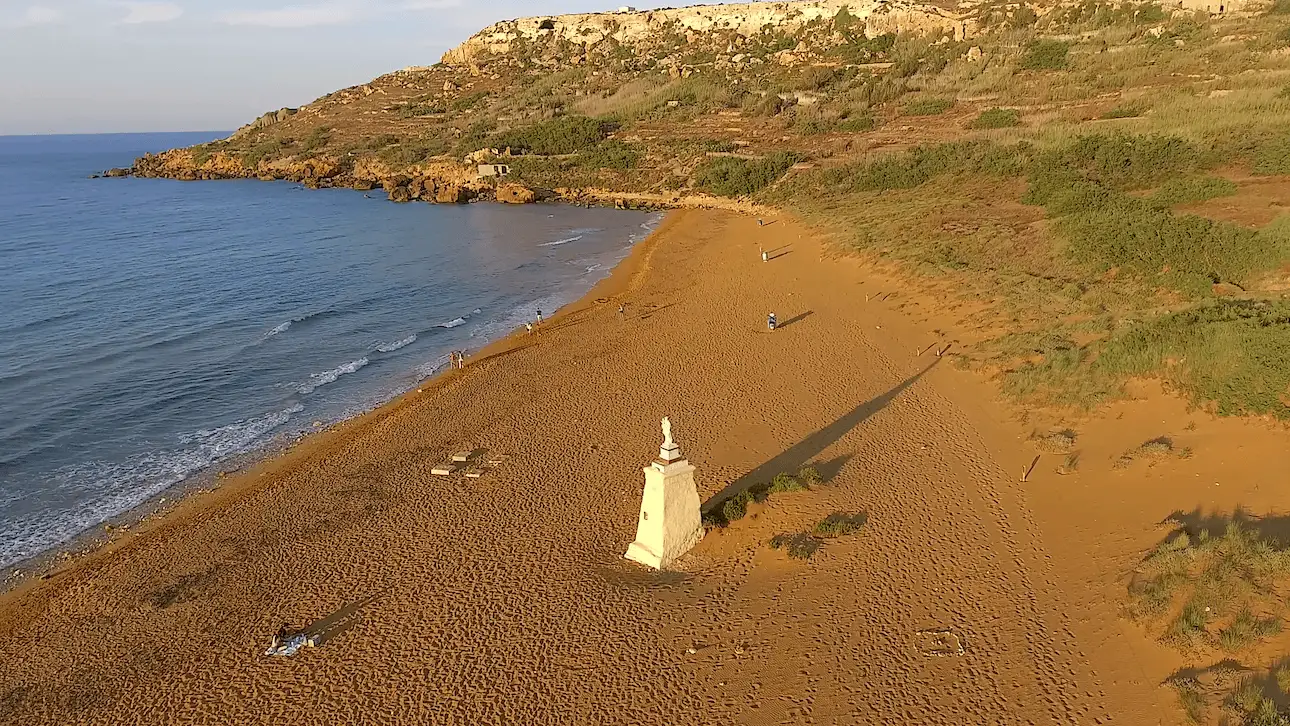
564, 135
1192, 189
610, 154
1044, 55
840, 524
1202, 591
1129, 111
734, 177
928, 107
799, 546
736, 507
997, 118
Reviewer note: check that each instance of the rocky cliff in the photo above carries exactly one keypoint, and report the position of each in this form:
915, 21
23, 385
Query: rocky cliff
586, 30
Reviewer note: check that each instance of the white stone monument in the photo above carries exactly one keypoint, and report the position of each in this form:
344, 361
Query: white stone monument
670, 523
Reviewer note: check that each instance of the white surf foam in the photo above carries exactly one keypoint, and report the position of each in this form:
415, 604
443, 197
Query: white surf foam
561, 241
281, 328
391, 347
453, 323
105, 489
317, 380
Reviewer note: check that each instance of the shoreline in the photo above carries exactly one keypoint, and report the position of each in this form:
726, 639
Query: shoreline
157, 508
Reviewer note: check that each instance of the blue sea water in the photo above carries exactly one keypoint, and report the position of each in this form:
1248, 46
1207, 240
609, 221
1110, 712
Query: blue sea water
152, 328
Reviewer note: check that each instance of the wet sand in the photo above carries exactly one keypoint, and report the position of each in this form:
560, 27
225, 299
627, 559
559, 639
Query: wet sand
505, 600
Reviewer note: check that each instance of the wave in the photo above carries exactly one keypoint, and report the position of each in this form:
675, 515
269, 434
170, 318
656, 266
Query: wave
317, 380
104, 489
391, 347
281, 328
452, 323
561, 241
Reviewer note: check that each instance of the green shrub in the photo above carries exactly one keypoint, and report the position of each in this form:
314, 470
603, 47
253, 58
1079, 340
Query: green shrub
1149, 14
1234, 353
813, 124
413, 151
1129, 111
840, 524
856, 124
609, 154
564, 135
800, 546
928, 107
809, 476
1189, 252
997, 118
1192, 189
1273, 158
414, 110
1044, 55
468, 101
719, 146
1114, 161
733, 177
921, 164
316, 139
263, 151
783, 483
1278, 7
379, 141
736, 507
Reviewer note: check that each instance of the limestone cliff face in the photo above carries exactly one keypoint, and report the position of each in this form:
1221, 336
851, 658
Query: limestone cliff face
746, 19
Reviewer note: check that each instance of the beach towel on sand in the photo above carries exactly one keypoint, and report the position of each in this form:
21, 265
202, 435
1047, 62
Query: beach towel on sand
290, 646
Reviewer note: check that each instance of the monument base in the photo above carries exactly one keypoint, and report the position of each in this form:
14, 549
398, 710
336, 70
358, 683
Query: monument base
670, 523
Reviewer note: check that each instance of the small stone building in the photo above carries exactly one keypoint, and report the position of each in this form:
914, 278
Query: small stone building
494, 170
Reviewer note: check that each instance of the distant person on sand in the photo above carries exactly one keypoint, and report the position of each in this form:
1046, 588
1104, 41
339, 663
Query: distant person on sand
770, 321
284, 632
761, 222
622, 310
530, 327
539, 319
764, 257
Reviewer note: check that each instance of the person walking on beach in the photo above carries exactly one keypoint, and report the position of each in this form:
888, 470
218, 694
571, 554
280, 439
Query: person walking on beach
530, 327
770, 321
622, 311
764, 257
539, 318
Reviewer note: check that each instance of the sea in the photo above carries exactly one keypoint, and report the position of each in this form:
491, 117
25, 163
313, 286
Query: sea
151, 329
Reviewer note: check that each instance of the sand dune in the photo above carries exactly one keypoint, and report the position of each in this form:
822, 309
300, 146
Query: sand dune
505, 600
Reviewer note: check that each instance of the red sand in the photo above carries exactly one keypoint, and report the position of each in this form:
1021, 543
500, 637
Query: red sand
505, 600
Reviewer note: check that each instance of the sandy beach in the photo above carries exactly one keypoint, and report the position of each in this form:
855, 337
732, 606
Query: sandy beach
505, 599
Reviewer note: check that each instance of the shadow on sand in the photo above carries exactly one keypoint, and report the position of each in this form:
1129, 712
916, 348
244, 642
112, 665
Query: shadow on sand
1274, 529
794, 319
797, 456
331, 626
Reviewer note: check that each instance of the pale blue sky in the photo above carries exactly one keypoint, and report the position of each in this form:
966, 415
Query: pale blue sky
82, 66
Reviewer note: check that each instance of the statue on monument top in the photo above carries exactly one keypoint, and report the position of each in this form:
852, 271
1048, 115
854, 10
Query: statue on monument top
669, 451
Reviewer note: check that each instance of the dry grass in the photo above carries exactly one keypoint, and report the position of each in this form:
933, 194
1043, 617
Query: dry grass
1216, 592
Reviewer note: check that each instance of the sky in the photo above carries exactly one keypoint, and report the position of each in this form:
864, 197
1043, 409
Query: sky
102, 66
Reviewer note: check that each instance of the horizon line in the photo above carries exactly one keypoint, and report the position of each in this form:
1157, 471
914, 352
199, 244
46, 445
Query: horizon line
113, 133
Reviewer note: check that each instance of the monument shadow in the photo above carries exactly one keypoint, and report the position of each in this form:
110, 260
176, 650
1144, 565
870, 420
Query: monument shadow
798, 455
